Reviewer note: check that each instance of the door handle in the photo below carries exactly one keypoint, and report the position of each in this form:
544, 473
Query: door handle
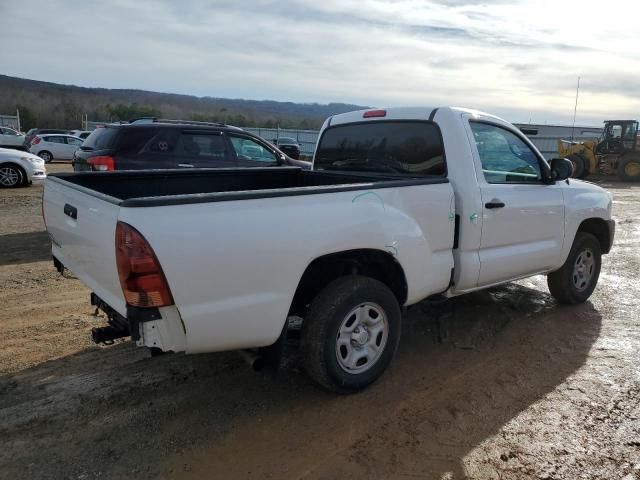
70, 211
494, 204
185, 165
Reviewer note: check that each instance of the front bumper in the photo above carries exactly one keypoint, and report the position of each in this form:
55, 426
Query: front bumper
39, 176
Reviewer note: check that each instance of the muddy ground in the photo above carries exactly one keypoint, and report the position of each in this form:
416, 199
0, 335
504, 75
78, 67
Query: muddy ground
504, 384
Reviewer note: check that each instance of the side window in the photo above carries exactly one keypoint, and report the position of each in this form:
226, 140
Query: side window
164, 143
505, 157
74, 141
205, 146
135, 140
54, 139
247, 149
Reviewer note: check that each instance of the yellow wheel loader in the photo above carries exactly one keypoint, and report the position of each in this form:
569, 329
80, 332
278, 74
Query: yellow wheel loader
617, 151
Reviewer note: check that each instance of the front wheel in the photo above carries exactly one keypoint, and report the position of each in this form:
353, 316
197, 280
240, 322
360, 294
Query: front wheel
10, 176
575, 281
351, 333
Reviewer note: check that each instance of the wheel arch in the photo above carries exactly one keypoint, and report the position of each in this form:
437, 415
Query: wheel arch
599, 229
373, 263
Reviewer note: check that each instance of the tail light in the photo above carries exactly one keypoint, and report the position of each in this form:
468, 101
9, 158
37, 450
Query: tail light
102, 163
35, 140
141, 278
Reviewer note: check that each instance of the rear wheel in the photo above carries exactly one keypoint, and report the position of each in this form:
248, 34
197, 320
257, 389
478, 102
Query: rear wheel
11, 176
629, 169
579, 166
575, 281
351, 333
46, 156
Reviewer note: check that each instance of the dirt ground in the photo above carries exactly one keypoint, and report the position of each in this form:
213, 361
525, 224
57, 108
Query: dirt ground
504, 384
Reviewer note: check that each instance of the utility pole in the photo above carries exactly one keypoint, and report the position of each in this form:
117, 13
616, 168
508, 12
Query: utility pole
575, 109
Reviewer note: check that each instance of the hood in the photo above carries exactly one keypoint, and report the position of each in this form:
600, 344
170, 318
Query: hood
581, 192
13, 153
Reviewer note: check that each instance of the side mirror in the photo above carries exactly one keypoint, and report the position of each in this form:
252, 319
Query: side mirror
561, 169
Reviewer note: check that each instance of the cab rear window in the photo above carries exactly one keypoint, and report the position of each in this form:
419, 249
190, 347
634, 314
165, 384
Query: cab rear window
412, 148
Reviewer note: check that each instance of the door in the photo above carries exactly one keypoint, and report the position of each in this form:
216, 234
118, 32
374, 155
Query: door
250, 153
147, 148
522, 217
56, 145
10, 137
612, 139
203, 149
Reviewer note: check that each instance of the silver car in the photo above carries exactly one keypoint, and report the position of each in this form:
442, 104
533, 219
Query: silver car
55, 146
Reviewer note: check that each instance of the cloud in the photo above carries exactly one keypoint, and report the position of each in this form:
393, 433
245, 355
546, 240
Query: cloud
522, 58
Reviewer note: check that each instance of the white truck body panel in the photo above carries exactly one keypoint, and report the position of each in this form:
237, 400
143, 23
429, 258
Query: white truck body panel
233, 300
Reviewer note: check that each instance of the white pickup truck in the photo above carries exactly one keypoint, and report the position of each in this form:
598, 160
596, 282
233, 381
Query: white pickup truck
402, 204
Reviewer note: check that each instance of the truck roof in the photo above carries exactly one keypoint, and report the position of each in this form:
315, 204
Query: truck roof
403, 113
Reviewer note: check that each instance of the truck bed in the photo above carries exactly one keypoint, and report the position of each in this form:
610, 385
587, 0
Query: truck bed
171, 187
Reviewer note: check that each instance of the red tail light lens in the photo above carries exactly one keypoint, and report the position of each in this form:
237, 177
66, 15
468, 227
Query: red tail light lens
374, 113
102, 163
141, 278
35, 140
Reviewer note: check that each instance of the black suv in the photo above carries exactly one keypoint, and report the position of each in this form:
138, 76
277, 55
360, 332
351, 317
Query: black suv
147, 144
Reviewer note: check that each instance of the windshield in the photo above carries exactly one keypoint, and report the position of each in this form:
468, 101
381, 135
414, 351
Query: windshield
404, 147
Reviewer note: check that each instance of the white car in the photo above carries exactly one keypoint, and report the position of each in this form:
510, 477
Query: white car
402, 204
55, 146
18, 168
11, 138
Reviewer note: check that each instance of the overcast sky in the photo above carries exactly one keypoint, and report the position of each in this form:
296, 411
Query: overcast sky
519, 59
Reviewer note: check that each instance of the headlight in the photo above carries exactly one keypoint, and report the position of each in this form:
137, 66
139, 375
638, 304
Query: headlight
33, 160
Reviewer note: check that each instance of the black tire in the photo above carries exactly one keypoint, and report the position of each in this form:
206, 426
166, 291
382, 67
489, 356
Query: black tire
562, 282
629, 169
11, 176
328, 313
579, 166
46, 156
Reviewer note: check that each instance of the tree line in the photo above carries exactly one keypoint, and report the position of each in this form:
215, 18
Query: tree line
50, 105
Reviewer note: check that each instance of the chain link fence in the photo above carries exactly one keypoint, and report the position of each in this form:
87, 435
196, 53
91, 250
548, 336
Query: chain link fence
307, 139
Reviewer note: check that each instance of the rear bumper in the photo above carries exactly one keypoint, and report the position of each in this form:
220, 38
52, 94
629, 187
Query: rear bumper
612, 231
131, 324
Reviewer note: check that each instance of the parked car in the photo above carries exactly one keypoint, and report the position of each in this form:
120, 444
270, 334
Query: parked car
10, 138
18, 169
175, 144
32, 132
80, 133
402, 204
288, 145
55, 147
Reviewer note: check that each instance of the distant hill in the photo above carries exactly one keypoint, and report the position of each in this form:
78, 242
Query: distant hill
52, 105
